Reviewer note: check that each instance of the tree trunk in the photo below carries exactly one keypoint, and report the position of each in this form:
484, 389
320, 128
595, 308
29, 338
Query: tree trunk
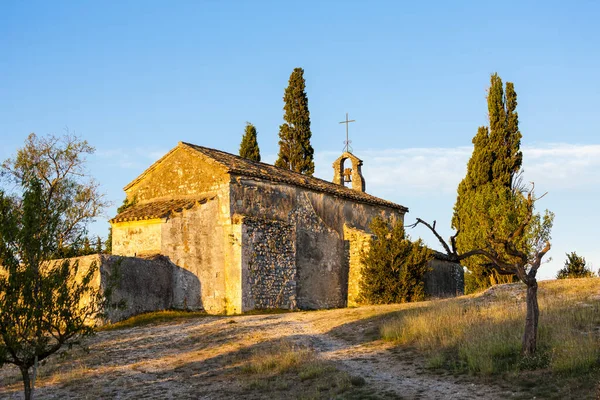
531, 320
26, 382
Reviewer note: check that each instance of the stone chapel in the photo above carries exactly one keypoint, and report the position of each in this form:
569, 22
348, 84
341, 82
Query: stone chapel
246, 235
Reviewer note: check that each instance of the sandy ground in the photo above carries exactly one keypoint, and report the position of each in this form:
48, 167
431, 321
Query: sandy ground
200, 358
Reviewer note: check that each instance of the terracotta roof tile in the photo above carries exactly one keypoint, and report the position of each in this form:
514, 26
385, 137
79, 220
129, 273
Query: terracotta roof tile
245, 167
157, 209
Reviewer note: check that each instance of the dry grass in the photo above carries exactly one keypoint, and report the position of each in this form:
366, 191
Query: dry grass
284, 365
153, 318
482, 334
279, 358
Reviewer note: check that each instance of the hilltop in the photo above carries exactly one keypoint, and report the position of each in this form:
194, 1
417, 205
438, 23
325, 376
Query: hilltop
341, 353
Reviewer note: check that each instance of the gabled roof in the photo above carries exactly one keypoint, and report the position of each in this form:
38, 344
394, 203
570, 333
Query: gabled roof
244, 167
157, 209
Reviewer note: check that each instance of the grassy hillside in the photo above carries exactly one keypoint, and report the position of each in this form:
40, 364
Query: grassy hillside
464, 348
481, 334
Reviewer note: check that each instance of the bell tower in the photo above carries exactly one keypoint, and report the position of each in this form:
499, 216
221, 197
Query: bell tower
352, 174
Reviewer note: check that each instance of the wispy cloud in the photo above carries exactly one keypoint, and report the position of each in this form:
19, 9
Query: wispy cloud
553, 166
136, 158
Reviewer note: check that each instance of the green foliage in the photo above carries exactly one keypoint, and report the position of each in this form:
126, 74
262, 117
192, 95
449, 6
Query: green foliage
42, 306
492, 169
394, 267
249, 146
82, 247
574, 268
57, 163
500, 211
295, 150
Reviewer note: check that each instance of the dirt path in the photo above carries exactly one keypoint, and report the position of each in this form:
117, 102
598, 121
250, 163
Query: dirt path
389, 370
201, 358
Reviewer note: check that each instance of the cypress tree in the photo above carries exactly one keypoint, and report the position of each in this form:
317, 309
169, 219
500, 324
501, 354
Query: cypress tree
295, 150
494, 163
249, 146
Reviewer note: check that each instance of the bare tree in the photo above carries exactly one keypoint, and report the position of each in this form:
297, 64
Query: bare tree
516, 252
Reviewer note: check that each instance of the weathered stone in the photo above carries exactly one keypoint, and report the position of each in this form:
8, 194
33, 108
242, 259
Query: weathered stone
253, 235
354, 173
138, 285
445, 279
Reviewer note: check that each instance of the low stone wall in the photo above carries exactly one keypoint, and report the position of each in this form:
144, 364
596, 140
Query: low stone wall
445, 279
139, 285
269, 264
136, 285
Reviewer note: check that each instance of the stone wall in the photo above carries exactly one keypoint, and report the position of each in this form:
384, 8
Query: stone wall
319, 220
182, 172
322, 272
275, 201
445, 279
196, 240
136, 238
139, 285
268, 265
355, 241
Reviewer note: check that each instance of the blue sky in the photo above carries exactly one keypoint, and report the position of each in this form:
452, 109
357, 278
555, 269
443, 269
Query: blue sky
136, 77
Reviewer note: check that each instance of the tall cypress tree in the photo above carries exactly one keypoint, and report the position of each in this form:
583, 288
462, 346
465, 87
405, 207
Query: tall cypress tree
495, 162
249, 146
295, 150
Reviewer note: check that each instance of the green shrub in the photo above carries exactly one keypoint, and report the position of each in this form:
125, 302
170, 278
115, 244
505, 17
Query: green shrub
394, 267
574, 268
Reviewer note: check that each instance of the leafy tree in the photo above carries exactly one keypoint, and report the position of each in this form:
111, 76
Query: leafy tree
393, 267
42, 306
518, 239
574, 268
81, 247
494, 166
249, 146
58, 164
295, 150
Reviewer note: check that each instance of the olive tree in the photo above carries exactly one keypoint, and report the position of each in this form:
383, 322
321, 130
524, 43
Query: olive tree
45, 204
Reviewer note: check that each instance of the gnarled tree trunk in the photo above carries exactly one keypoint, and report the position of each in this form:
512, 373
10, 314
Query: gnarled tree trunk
531, 319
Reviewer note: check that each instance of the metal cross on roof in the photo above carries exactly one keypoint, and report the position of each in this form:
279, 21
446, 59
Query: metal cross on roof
348, 141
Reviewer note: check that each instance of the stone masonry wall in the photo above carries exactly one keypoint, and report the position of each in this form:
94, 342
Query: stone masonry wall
445, 279
268, 265
136, 238
138, 285
356, 241
181, 173
196, 241
319, 219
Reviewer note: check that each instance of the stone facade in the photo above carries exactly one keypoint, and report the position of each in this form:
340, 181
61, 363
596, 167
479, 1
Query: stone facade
253, 235
269, 272
356, 243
